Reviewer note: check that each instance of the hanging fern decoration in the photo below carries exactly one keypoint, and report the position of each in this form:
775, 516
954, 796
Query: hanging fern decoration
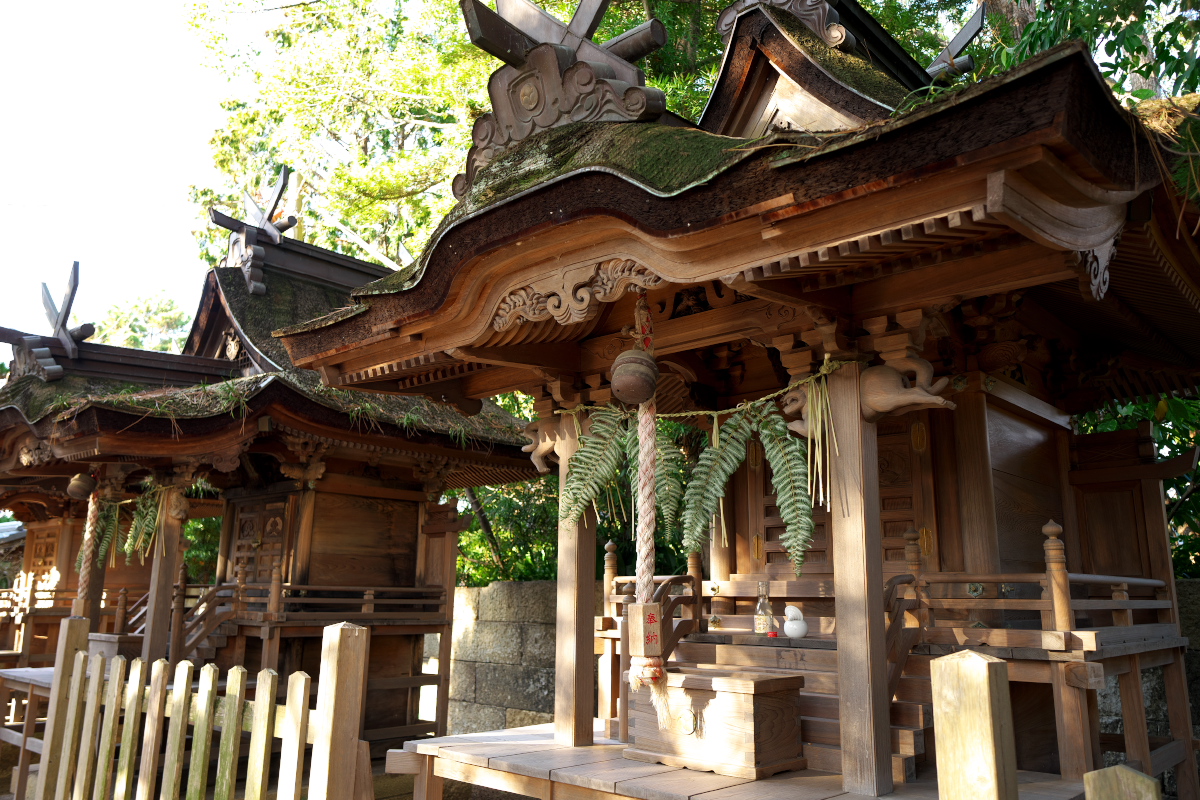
144, 525
788, 457
716, 464
596, 463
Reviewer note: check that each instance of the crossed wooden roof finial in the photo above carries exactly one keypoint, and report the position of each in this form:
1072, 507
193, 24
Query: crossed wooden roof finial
60, 316
244, 252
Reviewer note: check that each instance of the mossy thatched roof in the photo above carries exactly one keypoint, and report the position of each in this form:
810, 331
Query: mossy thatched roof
288, 299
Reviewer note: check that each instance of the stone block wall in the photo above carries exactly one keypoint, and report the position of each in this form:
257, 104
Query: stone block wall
502, 667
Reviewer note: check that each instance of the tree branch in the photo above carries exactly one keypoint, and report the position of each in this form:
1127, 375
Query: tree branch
1178, 504
485, 525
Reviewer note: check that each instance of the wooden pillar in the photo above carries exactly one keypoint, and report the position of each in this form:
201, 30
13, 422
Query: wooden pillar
574, 678
72, 639
977, 755
858, 590
338, 718
976, 492
225, 548
171, 514
610, 663
306, 513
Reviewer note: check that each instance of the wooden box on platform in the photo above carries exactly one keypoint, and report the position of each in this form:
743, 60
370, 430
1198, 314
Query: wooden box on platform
743, 724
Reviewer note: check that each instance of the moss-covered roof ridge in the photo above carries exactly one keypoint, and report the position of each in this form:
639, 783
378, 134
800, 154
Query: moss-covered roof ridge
848, 68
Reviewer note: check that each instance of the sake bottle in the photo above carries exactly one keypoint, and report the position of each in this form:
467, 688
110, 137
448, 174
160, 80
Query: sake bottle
764, 620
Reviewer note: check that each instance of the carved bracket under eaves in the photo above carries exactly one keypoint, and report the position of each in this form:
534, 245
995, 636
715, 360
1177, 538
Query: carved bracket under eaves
550, 89
574, 294
817, 15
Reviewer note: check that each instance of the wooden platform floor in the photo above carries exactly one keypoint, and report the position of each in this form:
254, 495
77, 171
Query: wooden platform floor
527, 761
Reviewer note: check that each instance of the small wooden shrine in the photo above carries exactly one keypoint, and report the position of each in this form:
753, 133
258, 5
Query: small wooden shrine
978, 270
329, 504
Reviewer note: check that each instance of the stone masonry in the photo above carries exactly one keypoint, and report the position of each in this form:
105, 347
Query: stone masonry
502, 667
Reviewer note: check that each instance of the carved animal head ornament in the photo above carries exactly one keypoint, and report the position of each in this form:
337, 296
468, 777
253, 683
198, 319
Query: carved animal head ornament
543, 438
888, 389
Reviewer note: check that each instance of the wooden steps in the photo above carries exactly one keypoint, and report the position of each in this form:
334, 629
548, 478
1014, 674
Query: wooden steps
828, 758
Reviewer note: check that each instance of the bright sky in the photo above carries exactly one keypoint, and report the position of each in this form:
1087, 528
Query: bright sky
107, 111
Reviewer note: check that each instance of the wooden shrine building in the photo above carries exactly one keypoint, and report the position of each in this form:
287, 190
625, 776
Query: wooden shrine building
987, 265
329, 504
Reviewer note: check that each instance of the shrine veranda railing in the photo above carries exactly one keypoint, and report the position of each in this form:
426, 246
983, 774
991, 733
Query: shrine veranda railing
118, 730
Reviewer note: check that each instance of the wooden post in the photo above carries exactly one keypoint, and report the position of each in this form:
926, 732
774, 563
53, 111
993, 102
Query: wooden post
912, 559
695, 610
610, 677
1057, 582
177, 611
275, 601
368, 606
172, 511
338, 718
977, 757
1120, 783
574, 667
858, 589
239, 596
119, 618
72, 639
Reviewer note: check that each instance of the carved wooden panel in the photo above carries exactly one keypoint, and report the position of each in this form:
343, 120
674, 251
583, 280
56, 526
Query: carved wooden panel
260, 537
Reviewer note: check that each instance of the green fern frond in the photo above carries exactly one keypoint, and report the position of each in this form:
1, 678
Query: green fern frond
668, 479
787, 455
596, 462
716, 464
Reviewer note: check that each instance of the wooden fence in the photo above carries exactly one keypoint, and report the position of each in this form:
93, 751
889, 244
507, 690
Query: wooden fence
133, 731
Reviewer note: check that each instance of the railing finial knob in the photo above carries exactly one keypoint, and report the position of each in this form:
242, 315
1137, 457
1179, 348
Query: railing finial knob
1052, 529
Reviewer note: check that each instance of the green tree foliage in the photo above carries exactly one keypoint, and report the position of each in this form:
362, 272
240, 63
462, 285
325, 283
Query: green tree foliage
150, 323
203, 536
1142, 46
1175, 424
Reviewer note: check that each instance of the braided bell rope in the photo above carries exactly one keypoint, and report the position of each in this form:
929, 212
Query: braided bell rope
88, 548
647, 468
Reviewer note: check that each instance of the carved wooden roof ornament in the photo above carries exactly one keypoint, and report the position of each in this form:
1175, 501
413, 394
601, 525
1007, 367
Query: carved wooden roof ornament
573, 294
32, 355
817, 15
554, 75
244, 251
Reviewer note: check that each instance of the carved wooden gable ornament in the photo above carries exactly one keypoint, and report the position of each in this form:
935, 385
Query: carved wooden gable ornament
554, 75
244, 250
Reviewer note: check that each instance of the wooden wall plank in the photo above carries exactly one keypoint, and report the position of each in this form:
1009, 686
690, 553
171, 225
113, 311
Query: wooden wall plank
976, 496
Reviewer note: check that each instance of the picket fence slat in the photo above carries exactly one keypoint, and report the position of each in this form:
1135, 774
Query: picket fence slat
156, 701
262, 734
88, 730
105, 740
232, 711
181, 698
294, 732
108, 729
123, 788
202, 715
71, 729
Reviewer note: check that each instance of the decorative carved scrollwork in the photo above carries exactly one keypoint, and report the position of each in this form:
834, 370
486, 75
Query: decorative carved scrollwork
433, 474
574, 294
551, 88
1094, 278
818, 15
36, 455
886, 389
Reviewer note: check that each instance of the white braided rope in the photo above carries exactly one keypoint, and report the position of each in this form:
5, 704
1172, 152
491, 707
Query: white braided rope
647, 466
88, 556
